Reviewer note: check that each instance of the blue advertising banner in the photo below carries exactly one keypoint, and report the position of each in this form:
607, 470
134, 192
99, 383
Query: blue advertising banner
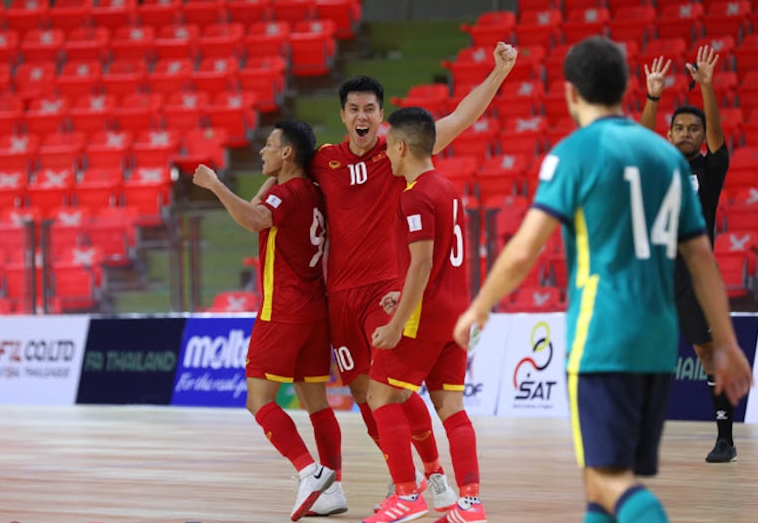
211, 367
130, 360
690, 398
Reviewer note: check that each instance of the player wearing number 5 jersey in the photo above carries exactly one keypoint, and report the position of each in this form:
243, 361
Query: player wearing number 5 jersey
290, 338
624, 198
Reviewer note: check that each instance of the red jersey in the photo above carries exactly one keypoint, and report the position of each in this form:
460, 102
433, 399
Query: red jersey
291, 253
361, 199
430, 209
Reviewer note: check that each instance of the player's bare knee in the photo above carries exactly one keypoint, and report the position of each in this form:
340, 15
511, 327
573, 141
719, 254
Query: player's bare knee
446, 403
605, 486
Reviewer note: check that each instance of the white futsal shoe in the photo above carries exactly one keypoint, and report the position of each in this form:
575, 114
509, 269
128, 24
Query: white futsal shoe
312, 481
331, 501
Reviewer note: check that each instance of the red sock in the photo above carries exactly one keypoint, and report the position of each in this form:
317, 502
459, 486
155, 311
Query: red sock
395, 435
328, 437
368, 419
422, 433
283, 435
460, 434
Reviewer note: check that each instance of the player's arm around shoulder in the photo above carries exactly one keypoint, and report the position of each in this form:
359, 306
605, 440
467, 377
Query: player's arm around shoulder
253, 217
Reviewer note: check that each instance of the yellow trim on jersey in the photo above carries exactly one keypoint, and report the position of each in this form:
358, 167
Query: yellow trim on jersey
316, 379
403, 385
453, 388
280, 379
268, 276
324, 145
411, 326
576, 427
409, 186
588, 283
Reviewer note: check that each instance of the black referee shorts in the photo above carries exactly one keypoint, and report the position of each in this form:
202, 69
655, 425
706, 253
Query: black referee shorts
692, 320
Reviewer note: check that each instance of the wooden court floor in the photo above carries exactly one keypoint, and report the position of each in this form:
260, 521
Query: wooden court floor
163, 465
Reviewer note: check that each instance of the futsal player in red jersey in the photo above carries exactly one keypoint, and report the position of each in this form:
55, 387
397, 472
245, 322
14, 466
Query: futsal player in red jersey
290, 338
416, 344
361, 203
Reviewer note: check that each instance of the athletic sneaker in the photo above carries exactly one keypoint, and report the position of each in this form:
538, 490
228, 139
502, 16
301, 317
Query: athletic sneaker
468, 510
421, 485
722, 452
397, 510
331, 501
312, 481
443, 497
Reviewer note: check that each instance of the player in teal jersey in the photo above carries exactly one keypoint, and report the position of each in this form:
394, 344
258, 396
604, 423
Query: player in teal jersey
623, 196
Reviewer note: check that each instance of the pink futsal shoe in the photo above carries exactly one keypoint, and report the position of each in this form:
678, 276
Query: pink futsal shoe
397, 510
468, 510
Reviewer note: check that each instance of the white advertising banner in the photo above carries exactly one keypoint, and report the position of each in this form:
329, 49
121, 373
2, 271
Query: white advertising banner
751, 409
484, 368
534, 377
41, 358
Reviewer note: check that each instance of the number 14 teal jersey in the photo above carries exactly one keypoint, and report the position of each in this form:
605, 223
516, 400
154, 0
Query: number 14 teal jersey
625, 199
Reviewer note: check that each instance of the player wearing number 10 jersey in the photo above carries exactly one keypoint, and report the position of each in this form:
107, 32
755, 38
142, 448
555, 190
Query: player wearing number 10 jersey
624, 198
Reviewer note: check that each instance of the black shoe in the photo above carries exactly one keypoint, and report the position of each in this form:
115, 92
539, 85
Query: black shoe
722, 452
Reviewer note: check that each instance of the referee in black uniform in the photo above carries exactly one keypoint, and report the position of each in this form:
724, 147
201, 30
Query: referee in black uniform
688, 131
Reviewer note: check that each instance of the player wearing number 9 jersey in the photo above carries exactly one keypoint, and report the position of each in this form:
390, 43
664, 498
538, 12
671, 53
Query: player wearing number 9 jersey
290, 338
624, 198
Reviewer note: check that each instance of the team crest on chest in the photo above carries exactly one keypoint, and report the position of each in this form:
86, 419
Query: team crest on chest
334, 164
379, 157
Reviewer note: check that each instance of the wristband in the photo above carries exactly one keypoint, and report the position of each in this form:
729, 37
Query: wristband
653, 98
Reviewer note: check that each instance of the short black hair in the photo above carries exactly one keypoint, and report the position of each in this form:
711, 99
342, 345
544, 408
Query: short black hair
597, 68
417, 127
688, 109
362, 84
300, 136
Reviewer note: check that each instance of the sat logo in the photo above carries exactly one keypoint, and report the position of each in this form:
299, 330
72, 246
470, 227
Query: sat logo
526, 376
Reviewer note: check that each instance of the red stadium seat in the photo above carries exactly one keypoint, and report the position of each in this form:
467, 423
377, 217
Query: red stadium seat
216, 74
47, 115
554, 102
113, 230
11, 114
67, 229
87, 43
747, 91
432, 97
490, 28
125, 77
523, 135
670, 48
42, 45
34, 80
177, 42
71, 14
9, 41
265, 78
91, 114
266, 39
235, 301
293, 11
79, 78
18, 152
114, 14
476, 141
733, 267
470, 68
727, 18
203, 12
313, 48
248, 11
522, 99
683, 20
170, 76
542, 28
24, 16
204, 146
185, 110
746, 56
460, 170
558, 131
155, 148
236, 114
98, 188
51, 188
159, 13
12, 187
501, 174
149, 191
138, 112
133, 43
742, 168
109, 150
346, 15
536, 299
634, 23
62, 151
222, 41
584, 22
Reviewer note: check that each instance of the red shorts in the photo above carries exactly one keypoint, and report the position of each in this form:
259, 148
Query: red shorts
442, 364
287, 352
354, 315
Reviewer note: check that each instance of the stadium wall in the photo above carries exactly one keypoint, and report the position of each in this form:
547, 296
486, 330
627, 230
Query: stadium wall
515, 368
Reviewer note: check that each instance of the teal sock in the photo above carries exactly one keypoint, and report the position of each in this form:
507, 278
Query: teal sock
639, 504
597, 514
